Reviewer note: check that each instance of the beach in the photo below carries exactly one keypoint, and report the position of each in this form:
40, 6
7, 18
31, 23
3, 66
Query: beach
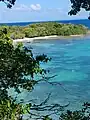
45, 37
35, 38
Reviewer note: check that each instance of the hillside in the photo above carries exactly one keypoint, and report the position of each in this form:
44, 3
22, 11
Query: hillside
44, 29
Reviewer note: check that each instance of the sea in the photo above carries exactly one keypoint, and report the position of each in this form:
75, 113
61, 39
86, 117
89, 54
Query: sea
70, 66
85, 22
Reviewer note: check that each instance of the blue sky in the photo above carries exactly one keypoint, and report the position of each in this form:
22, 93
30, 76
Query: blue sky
38, 10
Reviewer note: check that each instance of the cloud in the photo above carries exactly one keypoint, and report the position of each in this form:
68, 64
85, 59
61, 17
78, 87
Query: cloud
22, 7
32, 7
35, 7
55, 11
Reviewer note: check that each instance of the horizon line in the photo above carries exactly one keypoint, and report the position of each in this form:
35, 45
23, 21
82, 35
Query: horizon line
40, 21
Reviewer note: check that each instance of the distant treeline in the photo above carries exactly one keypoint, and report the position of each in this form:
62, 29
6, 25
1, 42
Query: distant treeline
44, 29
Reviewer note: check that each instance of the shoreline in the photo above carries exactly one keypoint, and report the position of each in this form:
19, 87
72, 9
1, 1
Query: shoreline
46, 37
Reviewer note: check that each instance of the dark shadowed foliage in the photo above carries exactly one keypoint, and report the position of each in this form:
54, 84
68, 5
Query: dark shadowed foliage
77, 5
9, 3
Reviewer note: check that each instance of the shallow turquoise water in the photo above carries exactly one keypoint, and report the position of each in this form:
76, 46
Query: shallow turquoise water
70, 58
71, 63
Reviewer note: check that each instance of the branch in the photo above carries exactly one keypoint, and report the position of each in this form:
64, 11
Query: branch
44, 107
46, 79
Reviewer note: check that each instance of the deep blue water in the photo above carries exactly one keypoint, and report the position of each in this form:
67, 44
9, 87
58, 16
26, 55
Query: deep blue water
85, 22
71, 65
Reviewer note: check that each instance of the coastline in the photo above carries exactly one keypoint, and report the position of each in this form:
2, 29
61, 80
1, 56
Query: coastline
46, 37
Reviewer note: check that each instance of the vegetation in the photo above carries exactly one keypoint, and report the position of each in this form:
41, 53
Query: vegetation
44, 29
18, 68
83, 114
9, 3
77, 5
18, 62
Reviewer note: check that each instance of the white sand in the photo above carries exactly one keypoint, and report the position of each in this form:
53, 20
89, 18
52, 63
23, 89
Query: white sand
76, 35
45, 37
35, 38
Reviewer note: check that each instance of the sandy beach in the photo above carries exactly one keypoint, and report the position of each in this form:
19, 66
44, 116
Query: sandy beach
35, 38
45, 37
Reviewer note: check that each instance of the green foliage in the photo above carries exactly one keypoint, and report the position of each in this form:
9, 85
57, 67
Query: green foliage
53, 28
9, 3
43, 29
47, 118
17, 35
74, 115
77, 5
16, 63
9, 110
83, 114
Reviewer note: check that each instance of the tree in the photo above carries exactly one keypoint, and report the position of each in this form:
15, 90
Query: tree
18, 66
77, 5
83, 114
16, 63
9, 3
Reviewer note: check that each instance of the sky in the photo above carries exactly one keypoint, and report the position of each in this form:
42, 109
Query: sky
38, 10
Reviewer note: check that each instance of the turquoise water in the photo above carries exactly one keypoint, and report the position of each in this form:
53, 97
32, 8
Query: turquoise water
71, 65
70, 58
